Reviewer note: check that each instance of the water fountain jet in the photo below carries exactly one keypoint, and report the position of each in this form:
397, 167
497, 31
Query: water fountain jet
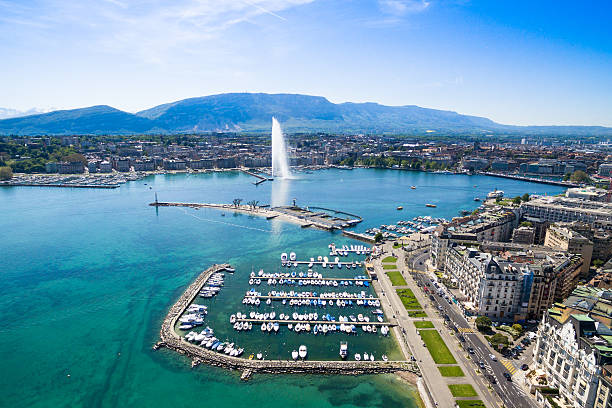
280, 164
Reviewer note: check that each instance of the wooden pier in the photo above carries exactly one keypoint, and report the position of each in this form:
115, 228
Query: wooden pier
174, 341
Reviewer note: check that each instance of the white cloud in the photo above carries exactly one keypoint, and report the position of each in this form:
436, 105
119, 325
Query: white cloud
146, 29
402, 7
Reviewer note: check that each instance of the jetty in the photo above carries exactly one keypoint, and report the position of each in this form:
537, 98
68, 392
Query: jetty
172, 340
531, 179
260, 178
361, 237
295, 214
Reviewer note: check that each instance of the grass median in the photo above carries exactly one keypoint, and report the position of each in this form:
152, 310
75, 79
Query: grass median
396, 278
408, 299
462, 390
389, 266
451, 371
437, 348
390, 259
425, 324
470, 404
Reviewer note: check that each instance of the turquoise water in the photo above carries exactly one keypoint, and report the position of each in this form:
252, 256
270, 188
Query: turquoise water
88, 275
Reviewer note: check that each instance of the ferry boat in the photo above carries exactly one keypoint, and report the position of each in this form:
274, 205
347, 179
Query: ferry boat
430, 205
400, 208
413, 187
343, 349
495, 194
476, 199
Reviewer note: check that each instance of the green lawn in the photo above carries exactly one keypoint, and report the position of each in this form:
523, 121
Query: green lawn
396, 278
408, 299
470, 404
425, 324
462, 390
417, 313
389, 266
390, 259
437, 348
451, 371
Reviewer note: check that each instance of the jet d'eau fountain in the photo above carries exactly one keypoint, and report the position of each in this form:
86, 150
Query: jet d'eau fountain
280, 164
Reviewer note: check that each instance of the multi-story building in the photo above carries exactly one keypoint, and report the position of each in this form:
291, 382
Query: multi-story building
560, 237
555, 209
495, 224
175, 165
587, 193
605, 169
523, 235
71, 167
574, 342
603, 398
121, 164
106, 167
510, 285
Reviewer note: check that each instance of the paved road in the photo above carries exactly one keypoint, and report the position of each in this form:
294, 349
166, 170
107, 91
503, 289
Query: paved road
511, 394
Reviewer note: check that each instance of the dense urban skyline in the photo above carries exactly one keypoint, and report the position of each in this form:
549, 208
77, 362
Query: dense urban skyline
515, 63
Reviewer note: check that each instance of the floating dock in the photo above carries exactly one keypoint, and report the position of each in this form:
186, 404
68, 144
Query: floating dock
174, 341
297, 278
284, 322
308, 297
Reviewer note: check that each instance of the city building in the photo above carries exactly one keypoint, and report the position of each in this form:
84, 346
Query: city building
605, 169
555, 209
587, 193
523, 235
574, 342
559, 236
509, 285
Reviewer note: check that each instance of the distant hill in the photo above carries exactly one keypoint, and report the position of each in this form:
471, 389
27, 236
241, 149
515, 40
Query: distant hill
252, 112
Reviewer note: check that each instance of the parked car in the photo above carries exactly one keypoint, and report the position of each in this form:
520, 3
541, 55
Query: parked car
492, 357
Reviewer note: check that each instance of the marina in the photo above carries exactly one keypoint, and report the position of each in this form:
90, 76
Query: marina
204, 348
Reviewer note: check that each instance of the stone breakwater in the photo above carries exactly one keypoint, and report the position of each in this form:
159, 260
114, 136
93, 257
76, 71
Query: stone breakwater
173, 341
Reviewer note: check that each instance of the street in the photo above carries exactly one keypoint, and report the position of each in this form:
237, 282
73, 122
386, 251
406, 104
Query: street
510, 393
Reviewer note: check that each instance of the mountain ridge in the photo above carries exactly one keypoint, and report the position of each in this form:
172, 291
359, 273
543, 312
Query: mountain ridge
251, 112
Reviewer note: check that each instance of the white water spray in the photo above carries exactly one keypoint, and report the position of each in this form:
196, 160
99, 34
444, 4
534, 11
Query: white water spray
280, 165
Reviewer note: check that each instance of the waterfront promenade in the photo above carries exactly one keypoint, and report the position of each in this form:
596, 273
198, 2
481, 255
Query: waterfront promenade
172, 340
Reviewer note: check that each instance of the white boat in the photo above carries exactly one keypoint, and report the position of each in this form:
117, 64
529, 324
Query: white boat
343, 349
357, 357
371, 357
385, 358
294, 354
366, 357
303, 351
259, 356
292, 256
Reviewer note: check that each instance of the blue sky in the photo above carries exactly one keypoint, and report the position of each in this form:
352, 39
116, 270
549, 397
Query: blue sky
516, 62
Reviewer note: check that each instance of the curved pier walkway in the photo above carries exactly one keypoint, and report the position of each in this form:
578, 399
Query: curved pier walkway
172, 340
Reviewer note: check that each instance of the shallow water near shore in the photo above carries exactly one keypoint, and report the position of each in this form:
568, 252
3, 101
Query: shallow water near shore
88, 276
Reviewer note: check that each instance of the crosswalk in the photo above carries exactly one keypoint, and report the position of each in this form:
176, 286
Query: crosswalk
509, 366
466, 330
